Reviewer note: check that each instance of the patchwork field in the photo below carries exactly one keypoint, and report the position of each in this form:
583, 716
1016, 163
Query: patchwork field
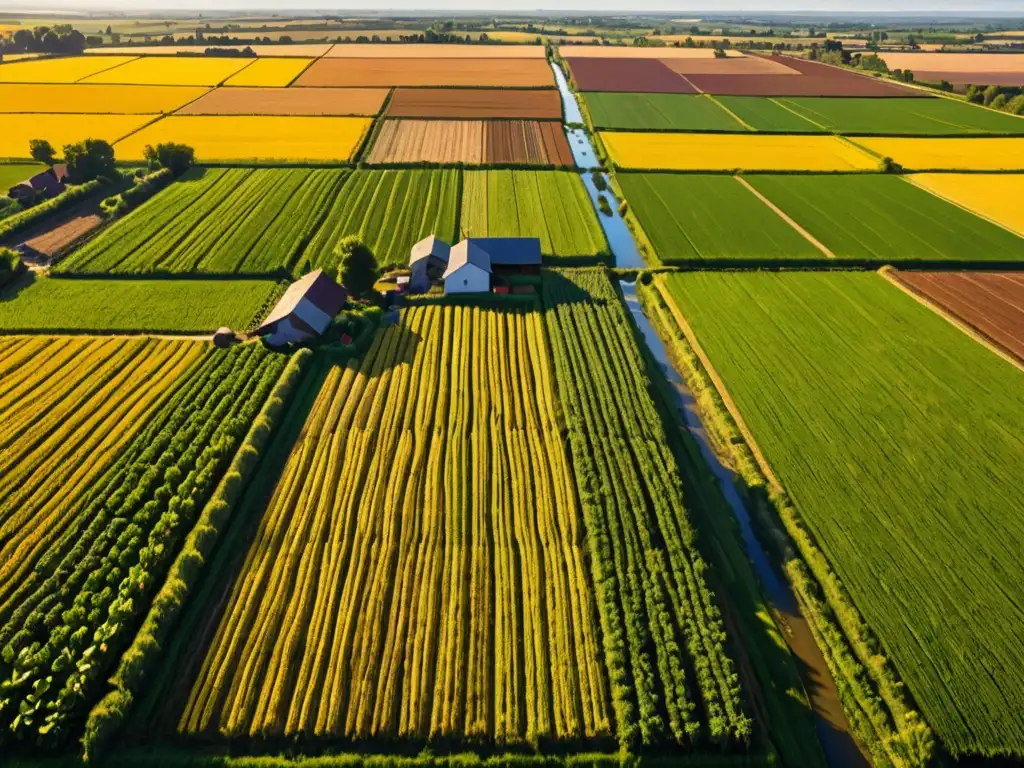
375, 72
128, 306
991, 303
168, 70
95, 99
745, 66
70, 69
435, 51
240, 139
475, 103
994, 196
725, 152
269, 73
899, 439
768, 114
639, 75
551, 205
690, 218
659, 111
971, 154
331, 102
20, 129
883, 218
471, 142
112, 449
814, 79
223, 221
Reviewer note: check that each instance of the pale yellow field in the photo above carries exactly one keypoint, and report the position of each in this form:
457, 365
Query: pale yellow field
269, 73
630, 52
982, 154
18, 130
434, 51
165, 70
96, 99
955, 62
723, 152
274, 51
233, 138
70, 69
997, 196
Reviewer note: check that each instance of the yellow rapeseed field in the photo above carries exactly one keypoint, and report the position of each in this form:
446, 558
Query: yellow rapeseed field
983, 154
66, 70
96, 99
18, 130
723, 152
171, 70
266, 73
997, 196
232, 138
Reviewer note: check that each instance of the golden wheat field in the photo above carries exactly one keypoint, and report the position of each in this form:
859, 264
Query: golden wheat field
65, 70
95, 99
19, 129
973, 154
269, 73
223, 138
168, 70
721, 152
997, 196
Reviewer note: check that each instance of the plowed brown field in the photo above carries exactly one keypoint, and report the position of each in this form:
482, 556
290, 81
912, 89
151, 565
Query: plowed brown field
472, 142
990, 302
382, 73
748, 65
433, 51
475, 103
627, 75
288, 101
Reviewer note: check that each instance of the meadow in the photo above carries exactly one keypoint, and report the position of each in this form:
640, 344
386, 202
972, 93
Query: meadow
994, 196
112, 449
133, 306
898, 438
693, 218
945, 154
216, 220
768, 114
659, 111
20, 129
551, 205
883, 218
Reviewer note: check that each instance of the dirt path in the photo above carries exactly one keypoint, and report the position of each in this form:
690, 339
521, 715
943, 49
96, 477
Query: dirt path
786, 218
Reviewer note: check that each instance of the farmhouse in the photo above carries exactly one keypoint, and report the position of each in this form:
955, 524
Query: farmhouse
48, 183
305, 311
427, 261
469, 269
464, 267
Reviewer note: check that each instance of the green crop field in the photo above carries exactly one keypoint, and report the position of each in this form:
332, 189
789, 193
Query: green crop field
690, 217
12, 173
391, 211
551, 205
125, 306
900, 440
886, 219
658, 111
767, 114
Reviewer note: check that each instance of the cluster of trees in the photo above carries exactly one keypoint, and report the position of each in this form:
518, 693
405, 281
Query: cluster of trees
61, 38
1008, 99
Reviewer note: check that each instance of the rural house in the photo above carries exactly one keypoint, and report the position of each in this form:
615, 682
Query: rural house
48, 183
469, 269
427, 261
305, 311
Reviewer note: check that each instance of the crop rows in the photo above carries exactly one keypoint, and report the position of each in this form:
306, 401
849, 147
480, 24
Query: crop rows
552, 205
671, 675
86, 543
418, 571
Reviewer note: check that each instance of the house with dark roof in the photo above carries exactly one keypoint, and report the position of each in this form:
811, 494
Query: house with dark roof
305, 311
45, 184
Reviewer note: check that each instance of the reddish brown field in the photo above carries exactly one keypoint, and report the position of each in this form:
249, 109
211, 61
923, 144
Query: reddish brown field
992, 303
475, 103
747, 65
288, 101
626, 75
384, 73
471, 142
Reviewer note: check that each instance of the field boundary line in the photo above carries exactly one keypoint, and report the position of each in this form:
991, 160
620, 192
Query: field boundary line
99, 72
892, 275
773, 100
690, 83
723, 392
786, 218
732, 114
909, 178
237, 72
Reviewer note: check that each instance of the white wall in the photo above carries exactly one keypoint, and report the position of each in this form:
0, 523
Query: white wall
468, 278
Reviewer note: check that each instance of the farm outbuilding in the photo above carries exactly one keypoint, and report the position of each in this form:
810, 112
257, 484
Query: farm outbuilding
427, 261
512, 254
305, 311
469, 269
48, 183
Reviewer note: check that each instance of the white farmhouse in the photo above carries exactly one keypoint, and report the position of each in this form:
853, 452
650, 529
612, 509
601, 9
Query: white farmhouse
305, 311
469, 269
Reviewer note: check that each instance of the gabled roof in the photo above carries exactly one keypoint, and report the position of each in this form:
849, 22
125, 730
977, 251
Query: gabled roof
468, 252
510, 251
317, 288
428, 247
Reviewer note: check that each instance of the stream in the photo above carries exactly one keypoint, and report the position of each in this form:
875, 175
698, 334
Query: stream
830, 721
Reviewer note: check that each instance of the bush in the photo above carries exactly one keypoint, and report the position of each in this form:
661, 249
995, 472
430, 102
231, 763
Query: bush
90, 159
42, 151
357, 266
599, 181
604, 205
177, 158
999, 102
10, 265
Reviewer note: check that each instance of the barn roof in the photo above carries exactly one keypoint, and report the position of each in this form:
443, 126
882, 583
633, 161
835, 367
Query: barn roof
430, 246
317, 288
510, 251
468, 252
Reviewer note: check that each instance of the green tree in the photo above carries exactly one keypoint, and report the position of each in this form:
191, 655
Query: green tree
42, 151
177, 157
990, 93
358, 266
90, 159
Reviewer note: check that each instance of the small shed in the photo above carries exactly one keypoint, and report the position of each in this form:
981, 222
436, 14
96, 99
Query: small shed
305, 311
469, 269
48, 183
427, 261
